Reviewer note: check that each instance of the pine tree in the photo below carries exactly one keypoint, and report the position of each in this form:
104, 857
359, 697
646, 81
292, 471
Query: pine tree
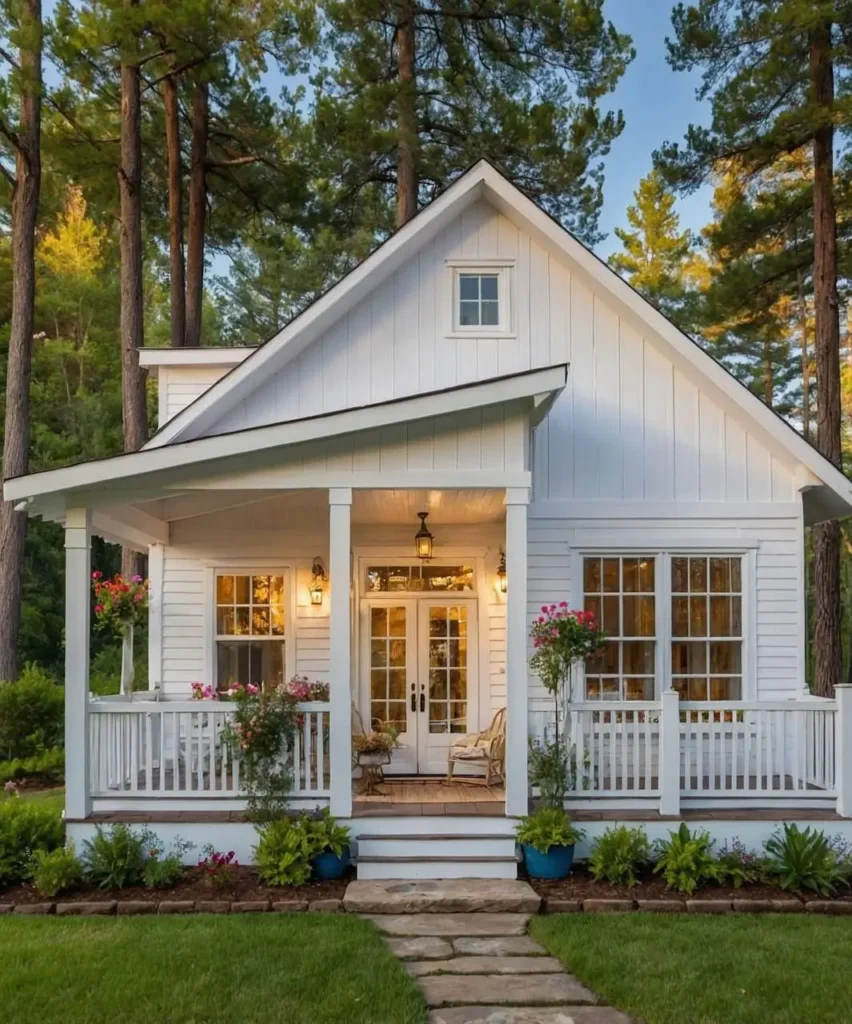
656, 256
417, 92
777, 73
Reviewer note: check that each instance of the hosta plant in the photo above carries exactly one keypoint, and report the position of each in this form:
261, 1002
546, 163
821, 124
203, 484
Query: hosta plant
619, 854
56, 871
686, 860
804, 859
285, 850
116, 856
545, 828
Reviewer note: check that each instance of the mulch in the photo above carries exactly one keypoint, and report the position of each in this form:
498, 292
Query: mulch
247, 888
580, 885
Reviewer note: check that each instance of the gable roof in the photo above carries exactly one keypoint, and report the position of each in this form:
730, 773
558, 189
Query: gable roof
483, 180
537, 388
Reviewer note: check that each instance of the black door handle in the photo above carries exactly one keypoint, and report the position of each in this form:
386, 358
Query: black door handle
422, 701
413, 700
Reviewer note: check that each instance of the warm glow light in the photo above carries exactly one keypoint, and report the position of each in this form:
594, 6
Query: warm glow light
423, 538
318, 581
501, 573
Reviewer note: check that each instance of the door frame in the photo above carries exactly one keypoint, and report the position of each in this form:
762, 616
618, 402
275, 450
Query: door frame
485, 598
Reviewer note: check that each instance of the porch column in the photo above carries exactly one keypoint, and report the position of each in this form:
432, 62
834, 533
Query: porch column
517, 499
340, 659
78, 566
843, 749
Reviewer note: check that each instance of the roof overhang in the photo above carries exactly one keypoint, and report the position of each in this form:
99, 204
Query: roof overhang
152, 359
51, 491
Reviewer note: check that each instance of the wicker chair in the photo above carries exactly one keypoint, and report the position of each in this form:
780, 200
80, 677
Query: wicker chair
486, 750
372, 774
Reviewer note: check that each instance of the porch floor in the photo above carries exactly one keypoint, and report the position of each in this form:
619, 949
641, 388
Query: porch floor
418, 796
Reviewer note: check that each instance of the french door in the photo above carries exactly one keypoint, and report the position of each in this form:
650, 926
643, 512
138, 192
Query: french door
419, 674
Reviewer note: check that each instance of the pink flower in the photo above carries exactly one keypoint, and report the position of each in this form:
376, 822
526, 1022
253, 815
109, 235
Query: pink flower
99, 608
136, 579
97, 574
252, 689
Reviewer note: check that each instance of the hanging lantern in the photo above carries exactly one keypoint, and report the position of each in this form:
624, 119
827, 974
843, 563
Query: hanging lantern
501, 572
423, 538
318, 581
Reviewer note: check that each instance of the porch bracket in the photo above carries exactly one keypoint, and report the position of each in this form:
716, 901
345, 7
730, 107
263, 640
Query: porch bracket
78, 565
340, 658
517, 500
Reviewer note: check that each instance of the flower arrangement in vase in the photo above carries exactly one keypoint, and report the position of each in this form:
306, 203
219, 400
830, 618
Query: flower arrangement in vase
121, 605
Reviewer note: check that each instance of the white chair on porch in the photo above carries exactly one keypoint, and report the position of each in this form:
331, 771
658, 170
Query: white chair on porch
484, 750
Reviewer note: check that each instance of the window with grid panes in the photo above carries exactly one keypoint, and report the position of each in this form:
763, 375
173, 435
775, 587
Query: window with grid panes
388, 667
251, 625
707, 627
479, 303
620, 590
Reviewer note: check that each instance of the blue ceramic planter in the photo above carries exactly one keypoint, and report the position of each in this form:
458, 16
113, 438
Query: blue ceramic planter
556, 863
328, 866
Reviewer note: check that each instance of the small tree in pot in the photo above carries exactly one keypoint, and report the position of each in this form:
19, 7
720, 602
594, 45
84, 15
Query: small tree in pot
562, 637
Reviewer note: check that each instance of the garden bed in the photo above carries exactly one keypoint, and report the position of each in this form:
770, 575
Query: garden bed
247, 888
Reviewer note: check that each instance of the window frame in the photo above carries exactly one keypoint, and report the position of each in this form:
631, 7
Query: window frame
502, 269
663, 554
253, 567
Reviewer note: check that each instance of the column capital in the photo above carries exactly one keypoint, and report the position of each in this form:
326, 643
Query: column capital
517, 496
340, 495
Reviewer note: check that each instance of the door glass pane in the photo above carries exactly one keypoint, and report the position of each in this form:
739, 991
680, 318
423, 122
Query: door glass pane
448, 669
388, 675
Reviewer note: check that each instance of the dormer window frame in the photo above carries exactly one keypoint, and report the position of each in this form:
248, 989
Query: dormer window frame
502, 269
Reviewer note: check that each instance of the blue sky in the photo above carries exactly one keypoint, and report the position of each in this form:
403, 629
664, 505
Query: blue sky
658, 105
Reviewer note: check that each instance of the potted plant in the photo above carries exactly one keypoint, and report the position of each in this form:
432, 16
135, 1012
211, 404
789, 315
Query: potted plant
547, 838
331, 841
374, 747
120, 606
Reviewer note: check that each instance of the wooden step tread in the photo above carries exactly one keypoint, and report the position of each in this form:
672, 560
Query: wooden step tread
429, 859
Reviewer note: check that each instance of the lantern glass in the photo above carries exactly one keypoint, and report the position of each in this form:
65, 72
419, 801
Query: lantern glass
423, 538
501, 573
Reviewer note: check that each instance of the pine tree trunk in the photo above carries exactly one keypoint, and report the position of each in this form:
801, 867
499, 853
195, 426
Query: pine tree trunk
827, 645
133, 404
16, 437
177, 292
407, 180
806, 358
197, 213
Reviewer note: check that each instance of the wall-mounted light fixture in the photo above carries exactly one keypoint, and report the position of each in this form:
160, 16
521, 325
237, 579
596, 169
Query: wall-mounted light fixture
501, 573
319, 578
423, 538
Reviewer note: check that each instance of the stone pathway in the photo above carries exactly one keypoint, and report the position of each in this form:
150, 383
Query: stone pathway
484, 969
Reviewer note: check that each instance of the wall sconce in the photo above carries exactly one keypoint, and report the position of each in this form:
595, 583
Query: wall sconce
502, 584
318, 581
423, 538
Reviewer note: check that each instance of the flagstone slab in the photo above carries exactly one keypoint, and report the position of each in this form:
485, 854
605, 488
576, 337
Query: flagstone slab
425, 947
501, 945
512, 990
441, 896
528, 1015
450, 925
487, 965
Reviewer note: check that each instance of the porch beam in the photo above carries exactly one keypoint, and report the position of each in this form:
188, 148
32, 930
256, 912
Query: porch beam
340, 650
517, 500
78, 565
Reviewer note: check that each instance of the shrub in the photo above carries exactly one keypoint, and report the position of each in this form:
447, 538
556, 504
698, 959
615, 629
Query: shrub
326, 834
285, 851
47, 767
219, 870
25, 827
31, 714
686, 860
804, 860
164, 869
548, 826
619, 854
738, 866
56, 871
116, 857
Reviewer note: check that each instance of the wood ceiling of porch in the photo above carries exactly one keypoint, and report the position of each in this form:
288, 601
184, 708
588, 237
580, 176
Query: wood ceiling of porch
368, 506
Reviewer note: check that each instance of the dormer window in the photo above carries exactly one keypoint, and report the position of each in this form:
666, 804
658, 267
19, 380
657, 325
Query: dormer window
481, 298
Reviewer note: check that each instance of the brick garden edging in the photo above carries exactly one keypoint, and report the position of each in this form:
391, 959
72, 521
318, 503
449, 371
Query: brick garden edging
676, 906
111, 908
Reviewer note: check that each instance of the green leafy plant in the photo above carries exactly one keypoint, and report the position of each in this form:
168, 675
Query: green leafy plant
326, 834
25, 827
804, 859
115, 858
619, 854
32, 712
56, 870
49, 766
685, 860
546, 827
738, 866
260, 735
165, 868
288, 846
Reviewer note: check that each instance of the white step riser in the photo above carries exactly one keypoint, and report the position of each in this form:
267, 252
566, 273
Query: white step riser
425, 869
470, 847
431, 826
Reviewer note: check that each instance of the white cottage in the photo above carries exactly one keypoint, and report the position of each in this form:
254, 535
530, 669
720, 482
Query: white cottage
567, 443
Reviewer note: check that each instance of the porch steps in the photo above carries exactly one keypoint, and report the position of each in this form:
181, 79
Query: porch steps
406, 855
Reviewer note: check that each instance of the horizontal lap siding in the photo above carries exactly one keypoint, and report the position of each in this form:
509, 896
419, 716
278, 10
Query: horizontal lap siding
777, 604
180, 385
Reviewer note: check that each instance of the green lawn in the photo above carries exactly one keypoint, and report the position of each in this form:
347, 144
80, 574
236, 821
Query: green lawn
738, 969
54, 798
287, 969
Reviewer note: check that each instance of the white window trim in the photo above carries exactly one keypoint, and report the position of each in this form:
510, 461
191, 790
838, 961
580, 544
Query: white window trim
663, 624
248, 567
503, 268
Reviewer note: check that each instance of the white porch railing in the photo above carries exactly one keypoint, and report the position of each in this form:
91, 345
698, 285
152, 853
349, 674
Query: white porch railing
175, 748
668, 753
